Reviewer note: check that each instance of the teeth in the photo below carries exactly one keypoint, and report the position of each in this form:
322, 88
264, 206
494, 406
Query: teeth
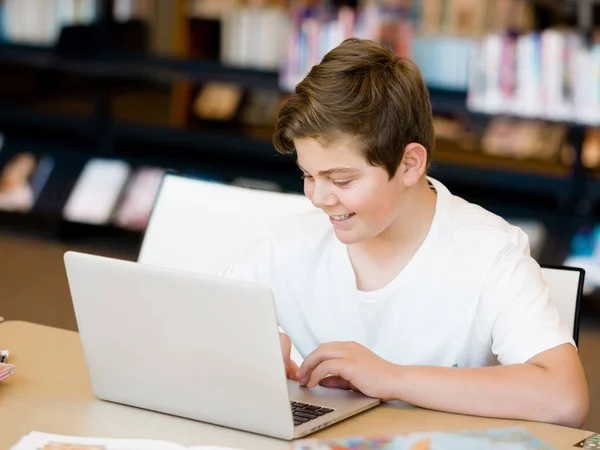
341, 217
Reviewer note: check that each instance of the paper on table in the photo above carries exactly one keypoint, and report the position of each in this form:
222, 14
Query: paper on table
44, 441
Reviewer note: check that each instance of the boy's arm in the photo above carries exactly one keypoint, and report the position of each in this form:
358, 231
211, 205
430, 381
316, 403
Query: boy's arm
540, 379
551, 387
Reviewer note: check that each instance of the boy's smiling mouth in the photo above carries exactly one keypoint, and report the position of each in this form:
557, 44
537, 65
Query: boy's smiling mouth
341, 218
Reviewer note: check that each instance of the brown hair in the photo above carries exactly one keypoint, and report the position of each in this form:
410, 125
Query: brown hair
364, 89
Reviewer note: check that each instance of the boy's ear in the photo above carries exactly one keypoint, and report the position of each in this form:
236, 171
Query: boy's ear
414, 163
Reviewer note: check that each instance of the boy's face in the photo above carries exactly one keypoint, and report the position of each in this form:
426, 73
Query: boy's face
360, 199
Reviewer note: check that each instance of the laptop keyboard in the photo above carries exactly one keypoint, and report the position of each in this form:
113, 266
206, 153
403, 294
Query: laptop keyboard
303, 412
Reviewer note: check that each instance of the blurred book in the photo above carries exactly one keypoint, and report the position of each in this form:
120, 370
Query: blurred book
254, 35
315, 31
159, 17
523, 139
514, 438
210, 9
447, 128
411, 28
126, 10
22, 180
261, 108
134, 211
546, 75
97, 191
217, 101
590, 153
40, 22
459, 130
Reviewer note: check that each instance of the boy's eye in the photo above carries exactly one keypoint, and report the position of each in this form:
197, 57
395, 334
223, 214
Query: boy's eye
342, 183
306, 176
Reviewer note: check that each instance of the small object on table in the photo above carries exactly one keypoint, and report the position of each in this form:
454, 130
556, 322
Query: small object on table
5, 371
592, 441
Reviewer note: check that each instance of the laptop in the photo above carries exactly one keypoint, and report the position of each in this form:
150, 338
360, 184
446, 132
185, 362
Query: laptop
192, 345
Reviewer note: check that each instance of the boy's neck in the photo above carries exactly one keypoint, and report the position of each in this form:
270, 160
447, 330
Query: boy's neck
404, 237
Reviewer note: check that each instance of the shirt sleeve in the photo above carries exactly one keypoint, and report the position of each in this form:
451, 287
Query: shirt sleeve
517, 309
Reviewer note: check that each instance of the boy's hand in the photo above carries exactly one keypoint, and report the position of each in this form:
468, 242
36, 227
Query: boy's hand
291, 368
352, 366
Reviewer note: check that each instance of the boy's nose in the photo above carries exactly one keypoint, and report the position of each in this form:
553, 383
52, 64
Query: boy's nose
323, 198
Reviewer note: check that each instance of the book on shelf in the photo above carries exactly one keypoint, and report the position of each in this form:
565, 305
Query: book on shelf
439, 36
160, 18
550, 75
503, 137
254, 35
40, 22
134, 210
261, 108
524, 139
217, 101
126, 10
97, 191
590, 152
22, 180
210, 9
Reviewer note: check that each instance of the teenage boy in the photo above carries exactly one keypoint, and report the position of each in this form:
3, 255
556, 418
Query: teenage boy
401, 290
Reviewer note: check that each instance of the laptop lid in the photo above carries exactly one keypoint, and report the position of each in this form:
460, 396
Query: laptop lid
204, 226
182, 343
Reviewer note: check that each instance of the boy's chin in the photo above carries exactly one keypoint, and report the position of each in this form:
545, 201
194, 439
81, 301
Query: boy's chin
348, 237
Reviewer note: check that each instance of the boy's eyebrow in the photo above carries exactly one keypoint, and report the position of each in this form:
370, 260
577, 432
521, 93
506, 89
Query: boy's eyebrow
323, 173
347, 170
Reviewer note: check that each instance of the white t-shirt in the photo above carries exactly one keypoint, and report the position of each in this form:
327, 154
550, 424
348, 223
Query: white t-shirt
471, 294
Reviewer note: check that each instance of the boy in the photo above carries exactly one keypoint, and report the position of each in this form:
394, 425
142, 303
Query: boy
401, 290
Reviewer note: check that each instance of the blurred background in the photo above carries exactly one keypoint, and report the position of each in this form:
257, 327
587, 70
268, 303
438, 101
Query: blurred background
99, 97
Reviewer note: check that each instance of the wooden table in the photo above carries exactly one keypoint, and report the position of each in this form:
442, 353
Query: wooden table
50, 392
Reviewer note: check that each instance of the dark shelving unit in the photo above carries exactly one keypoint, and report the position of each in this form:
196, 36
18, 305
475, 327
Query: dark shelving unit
568, 193
133, 66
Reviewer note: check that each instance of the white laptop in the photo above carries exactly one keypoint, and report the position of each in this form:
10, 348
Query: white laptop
196, 346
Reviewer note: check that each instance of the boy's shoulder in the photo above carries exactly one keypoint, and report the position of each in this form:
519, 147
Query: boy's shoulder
477, 225
472, 224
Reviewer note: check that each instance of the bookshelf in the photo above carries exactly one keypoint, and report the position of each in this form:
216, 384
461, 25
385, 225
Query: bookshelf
96, 120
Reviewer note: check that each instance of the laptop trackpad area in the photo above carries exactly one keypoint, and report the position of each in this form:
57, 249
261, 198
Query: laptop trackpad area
328, 397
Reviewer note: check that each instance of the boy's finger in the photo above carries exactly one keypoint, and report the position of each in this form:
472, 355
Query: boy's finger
292, 371
321, 354
336, 383
335, 367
